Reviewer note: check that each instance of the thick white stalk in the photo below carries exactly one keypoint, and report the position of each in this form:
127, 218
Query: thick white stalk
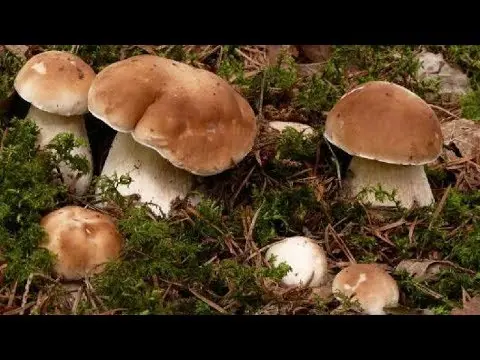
50, 125
409, 181
154, 179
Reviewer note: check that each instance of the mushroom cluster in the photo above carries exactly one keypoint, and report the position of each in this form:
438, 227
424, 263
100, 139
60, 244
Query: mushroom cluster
366, 284
173, 122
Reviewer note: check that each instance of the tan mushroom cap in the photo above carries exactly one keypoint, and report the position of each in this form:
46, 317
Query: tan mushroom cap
372, 286
384, 121
191, 117
83, 240
56, 82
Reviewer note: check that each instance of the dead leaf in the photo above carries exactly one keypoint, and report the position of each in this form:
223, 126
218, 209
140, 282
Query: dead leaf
465, 135
316, 53
306, 70
18, 50
471, 305
150, 49
422, 269
323, 292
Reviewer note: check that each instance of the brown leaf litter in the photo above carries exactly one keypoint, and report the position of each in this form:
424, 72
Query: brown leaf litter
471, 305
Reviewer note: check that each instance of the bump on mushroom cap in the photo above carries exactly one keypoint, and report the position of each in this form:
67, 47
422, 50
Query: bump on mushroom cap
83, 241
306, 258
56, 82
384, 121
191, 117
372, 286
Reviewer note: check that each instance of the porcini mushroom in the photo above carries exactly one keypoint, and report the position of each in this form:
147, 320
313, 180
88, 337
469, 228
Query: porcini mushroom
173, 120
56, 84
391, 134
307, 260
369, 284
82, 240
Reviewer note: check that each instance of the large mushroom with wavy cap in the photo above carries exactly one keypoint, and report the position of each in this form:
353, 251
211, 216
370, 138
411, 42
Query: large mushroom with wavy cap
56, 85
391, 134
173, 121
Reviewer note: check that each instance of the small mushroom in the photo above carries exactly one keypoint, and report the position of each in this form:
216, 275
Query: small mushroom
82, 240
391, 134
306, 258
56, 84
370, 285
173, 121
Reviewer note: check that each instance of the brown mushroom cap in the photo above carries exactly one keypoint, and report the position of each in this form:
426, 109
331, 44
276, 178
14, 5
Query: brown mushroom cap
372, 286
83, 241
191, 117
386, 122
56, 82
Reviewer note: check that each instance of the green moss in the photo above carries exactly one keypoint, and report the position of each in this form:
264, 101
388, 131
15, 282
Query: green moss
10, 65
297, 146
231, 68
283, 212
28, 189
318, 94
470, 105
274, 84
151, 249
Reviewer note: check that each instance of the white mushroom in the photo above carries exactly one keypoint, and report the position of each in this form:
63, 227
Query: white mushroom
307, 260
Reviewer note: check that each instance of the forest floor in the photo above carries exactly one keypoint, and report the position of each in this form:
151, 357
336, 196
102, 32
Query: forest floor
209, 258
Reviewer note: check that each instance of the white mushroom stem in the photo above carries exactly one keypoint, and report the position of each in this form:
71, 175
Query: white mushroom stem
154, 179
409, 181
50, 125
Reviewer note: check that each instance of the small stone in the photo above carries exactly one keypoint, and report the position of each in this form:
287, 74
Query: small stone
453, 82
465, 135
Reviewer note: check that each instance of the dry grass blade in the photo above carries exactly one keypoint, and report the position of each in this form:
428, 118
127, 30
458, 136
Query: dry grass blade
20, 310
242, 185
195, 213
392, 225
12, 294
440, 206
208, 302
436, 107
27, 290
78, 297
241, 53
342, 244
411, 229
378, 235
207, 52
